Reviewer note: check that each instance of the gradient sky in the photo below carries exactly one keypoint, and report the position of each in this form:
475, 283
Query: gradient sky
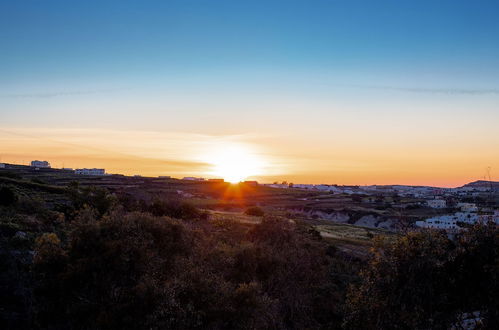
348, 92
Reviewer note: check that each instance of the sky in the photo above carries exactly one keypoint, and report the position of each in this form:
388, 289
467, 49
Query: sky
346, 92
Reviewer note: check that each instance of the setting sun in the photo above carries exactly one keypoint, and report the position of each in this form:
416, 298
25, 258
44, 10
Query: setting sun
235, 163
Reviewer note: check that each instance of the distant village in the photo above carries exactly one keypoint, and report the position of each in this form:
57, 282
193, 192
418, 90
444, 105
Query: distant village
461, 214
455, 203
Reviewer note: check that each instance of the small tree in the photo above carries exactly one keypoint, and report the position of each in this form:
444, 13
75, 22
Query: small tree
255, 211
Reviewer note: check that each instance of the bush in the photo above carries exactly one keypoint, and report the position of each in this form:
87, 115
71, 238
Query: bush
255, 211
111, 274
7, 196
426, 281
11, 175
97, 198
174, 209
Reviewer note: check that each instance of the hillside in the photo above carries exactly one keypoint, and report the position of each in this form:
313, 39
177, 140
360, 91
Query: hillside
133, 253
483, 183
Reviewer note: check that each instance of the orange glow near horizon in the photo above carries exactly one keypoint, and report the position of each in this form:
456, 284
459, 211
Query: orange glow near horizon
234, 163
266, 158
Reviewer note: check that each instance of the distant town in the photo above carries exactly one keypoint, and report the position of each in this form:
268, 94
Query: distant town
457, 208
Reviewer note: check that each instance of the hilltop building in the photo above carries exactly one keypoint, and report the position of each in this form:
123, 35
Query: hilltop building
40, 164
90, 171
442, 222
467, 207
437, 203
192, 178
251, 183
277, 185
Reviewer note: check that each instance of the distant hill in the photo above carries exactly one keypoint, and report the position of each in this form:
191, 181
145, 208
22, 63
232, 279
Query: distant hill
483, 183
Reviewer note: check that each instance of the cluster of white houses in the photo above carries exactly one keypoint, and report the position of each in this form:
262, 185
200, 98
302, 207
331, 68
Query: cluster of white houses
40, 164
37, 164
454, 222
90, 171
400, 190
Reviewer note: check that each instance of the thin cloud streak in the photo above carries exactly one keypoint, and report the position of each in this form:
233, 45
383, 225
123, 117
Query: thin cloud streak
61, 93
449, 91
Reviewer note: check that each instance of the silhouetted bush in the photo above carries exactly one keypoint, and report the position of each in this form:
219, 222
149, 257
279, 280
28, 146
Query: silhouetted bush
97, 198
174, 209
8, 174
427, 281
7, 196
255, 211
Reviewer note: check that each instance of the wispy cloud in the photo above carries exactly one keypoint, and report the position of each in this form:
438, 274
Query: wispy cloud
42, 95
423, 90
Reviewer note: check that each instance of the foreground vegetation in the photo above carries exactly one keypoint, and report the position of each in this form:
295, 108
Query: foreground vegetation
87, 259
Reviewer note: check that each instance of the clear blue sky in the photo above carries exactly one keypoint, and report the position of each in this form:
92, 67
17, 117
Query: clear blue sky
227, 67
73, 42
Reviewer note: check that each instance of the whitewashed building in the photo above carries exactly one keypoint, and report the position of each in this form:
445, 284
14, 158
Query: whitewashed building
442, 222
303, 186
277, 185
90, 171
40, 164
437, 203
467, 207
191, 178
456, 220
2, 165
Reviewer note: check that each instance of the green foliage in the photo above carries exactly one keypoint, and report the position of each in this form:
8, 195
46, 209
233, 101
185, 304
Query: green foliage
255, 211
130, 263
174, 209
134, 270
425, 280
97, 198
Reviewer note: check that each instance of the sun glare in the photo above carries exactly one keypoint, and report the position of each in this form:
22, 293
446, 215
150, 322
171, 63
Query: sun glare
235, 163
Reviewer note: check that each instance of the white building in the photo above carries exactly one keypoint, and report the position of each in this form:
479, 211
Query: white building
437, 203
191, 178
490, 217
2, 165
40, 164
303, 186
467, 207
467, 217
442, 222
90, 171
277, 185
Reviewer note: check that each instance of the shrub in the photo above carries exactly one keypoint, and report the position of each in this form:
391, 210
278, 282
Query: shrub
254, 211
7, 196
426, 281
174, 209
97, 198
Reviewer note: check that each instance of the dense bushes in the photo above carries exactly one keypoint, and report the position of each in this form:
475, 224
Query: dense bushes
112, 270
7, 196
134, 271
174, 209
151, 264
97, 198
427, 281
